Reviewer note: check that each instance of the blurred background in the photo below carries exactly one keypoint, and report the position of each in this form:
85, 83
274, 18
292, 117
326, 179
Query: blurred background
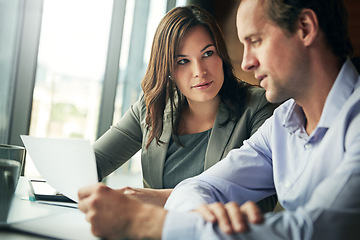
71, 68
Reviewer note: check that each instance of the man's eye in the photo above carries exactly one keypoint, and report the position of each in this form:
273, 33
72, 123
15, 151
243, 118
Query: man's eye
182, 61
255, 41
208, 53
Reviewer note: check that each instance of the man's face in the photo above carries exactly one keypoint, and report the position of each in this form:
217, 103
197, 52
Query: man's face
276, 59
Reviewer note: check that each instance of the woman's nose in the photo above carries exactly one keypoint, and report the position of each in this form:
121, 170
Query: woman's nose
199, 69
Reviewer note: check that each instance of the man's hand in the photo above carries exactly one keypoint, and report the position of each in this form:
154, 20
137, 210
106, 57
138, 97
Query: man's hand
148, 195
114, 215
230, 217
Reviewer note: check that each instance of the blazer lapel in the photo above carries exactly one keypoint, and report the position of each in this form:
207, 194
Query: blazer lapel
217, 145
156, 155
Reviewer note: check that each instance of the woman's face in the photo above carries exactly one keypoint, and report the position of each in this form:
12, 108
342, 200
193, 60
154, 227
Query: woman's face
198, 71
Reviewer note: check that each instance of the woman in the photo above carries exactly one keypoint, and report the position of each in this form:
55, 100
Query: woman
193, 110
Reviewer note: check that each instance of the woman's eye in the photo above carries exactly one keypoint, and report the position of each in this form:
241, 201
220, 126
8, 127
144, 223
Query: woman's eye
208, 53
182, 61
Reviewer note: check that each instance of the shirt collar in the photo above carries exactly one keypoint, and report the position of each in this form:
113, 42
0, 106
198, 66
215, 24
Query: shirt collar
341, 90
294, 116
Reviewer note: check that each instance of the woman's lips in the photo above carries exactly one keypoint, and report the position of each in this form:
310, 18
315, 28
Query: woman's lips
203, 85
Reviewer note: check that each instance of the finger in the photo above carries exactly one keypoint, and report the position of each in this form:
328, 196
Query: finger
86, 191
83, 205
236, 217
206, 213
87, 196
123, 190
252, 212
222, 217
129, 191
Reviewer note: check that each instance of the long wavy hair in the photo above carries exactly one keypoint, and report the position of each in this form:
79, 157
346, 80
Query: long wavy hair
159, 90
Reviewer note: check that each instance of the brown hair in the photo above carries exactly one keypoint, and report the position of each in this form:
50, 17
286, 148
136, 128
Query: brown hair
332, 16
157, 85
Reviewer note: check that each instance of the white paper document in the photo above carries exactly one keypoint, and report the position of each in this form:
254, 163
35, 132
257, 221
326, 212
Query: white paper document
66, 164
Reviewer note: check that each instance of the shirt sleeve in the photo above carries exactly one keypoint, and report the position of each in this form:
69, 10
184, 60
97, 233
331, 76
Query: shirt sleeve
333, 211
245, 174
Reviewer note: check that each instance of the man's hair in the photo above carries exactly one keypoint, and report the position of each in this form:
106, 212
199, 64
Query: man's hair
332, 17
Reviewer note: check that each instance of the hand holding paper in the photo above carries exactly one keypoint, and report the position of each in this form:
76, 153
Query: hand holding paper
66, 164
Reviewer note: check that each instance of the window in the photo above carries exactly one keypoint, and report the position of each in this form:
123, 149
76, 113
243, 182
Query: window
134, 57
76, 66
79, 42
10, 18
70, 68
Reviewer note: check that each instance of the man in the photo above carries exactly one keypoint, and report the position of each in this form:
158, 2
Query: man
308, 152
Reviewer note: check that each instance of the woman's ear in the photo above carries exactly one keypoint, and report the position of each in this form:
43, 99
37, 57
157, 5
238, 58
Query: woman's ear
308, 26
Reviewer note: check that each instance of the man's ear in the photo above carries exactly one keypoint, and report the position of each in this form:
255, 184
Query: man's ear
308, 26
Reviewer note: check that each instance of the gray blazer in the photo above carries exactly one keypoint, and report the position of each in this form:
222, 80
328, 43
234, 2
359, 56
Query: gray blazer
130, 134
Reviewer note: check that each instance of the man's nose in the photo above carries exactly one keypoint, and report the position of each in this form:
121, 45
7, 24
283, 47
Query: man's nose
249, 62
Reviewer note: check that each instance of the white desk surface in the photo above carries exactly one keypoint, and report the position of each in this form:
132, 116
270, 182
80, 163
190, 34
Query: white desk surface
44, 221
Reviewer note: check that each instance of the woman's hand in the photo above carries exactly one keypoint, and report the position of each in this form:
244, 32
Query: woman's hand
148, 195
231, 217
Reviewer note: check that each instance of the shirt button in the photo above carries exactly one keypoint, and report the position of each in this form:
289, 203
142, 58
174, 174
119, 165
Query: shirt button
287, 184
308, 146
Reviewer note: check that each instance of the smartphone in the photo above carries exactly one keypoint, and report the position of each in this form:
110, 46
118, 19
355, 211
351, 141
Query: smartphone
44, 192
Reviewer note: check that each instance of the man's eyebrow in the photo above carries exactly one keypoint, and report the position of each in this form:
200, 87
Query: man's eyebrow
252, 35
207, 46
248, 37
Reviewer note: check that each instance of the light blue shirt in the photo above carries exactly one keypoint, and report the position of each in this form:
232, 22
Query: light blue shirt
316, 177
